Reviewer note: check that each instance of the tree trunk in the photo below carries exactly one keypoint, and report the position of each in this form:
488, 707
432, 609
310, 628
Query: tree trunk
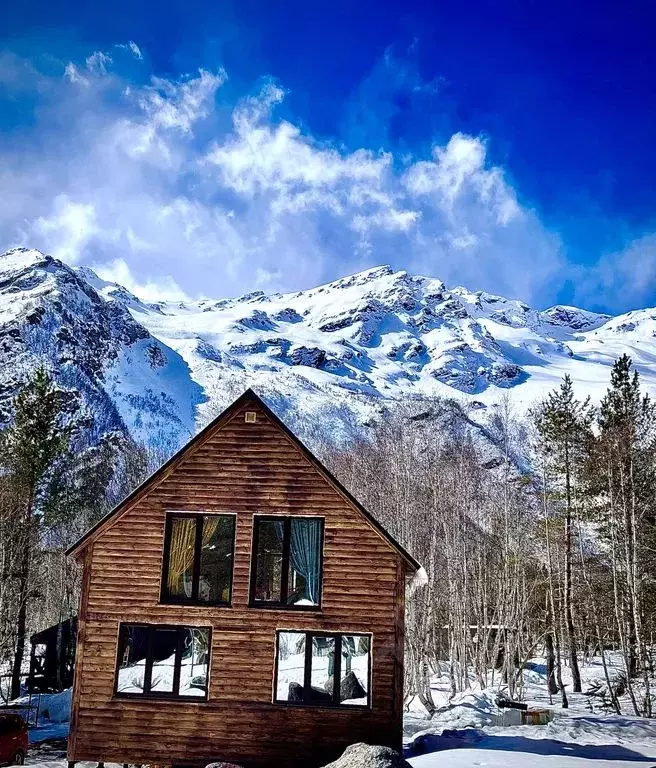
618, 602
569, 621
552, 686
600, 641
637, 602
21, 622
555, 617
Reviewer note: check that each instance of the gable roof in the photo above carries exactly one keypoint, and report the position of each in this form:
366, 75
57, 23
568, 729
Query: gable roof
249, 396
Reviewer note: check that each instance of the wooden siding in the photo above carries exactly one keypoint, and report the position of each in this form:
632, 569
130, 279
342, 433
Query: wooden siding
245, 469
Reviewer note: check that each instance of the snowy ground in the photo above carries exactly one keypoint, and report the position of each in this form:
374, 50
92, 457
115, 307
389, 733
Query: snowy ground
463, 734
577, 741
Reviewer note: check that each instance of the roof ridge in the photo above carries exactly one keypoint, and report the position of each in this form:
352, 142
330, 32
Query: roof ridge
249, 395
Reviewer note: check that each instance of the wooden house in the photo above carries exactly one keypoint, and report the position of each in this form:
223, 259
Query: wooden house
240, 605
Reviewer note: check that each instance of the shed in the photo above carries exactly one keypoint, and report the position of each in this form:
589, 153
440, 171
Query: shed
52, 657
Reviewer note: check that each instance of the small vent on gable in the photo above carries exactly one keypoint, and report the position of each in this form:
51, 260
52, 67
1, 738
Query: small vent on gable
251, 417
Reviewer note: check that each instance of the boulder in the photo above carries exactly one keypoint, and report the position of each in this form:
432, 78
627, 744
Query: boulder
295, 694
287, 315
317, 695
223, 765
310, 356
367, 756
350, 687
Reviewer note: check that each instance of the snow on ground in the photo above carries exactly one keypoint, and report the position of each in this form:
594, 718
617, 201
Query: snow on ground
52, 712
569, 741
463, 732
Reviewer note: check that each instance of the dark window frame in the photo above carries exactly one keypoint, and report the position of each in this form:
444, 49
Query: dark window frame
310, 634
167, 599
281, 605
148, 667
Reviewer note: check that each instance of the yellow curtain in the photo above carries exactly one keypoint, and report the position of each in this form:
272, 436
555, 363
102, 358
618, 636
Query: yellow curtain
181, 553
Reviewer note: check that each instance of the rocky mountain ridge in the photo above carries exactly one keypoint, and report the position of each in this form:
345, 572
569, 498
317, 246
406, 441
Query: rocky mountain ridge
333, 357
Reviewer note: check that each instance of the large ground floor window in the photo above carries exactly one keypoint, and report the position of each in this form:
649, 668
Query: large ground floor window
159, 661
323, 669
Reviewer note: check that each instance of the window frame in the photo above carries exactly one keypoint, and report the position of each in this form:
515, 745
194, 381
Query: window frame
281, 605
161, 695
167, 599
310, 634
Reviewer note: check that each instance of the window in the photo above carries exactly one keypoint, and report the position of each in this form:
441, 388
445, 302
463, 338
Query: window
308, 663
162, 662
286, 565
198, 556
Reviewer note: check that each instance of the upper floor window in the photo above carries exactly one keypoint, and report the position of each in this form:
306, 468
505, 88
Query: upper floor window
308, 664
161, 661
287, 562
198, 558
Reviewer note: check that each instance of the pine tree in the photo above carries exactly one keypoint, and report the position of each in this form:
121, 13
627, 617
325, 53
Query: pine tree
564, 425
30, 449
627, 437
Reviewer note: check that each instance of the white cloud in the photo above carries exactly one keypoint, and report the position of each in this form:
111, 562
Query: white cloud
132, 47
180, 104
135, 49
98, 62
259, 157
167, 178
624, 279
163, 289
73, 74
264, 278
388, 220
459, 171
69, 228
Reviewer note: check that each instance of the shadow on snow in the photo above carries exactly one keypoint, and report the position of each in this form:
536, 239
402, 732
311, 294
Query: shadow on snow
472, 739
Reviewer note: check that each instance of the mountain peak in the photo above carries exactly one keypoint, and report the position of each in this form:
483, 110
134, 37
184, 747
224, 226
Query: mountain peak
360, 278
18, 259
575, 318
334, 353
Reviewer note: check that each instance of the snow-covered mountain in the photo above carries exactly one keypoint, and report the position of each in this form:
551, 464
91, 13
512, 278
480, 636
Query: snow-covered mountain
333, 355
109, 362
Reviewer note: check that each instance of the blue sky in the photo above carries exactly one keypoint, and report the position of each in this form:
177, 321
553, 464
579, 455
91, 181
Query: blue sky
216, 148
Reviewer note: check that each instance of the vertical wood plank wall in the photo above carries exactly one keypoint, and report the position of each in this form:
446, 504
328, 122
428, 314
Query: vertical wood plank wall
245, 469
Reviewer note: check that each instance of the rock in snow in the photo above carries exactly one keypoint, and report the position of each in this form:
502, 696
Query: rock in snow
350, 687
223, 765
355, 756
333, 356
366, 756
